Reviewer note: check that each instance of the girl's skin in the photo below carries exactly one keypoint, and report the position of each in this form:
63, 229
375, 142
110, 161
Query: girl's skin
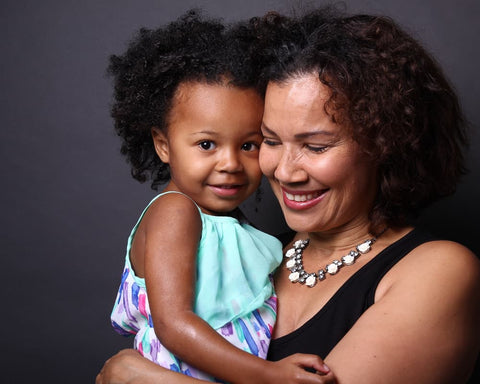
423, 326
211, 145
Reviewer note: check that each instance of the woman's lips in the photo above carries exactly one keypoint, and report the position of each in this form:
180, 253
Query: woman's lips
302, 200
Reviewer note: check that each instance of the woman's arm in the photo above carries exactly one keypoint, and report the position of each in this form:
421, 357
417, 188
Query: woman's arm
129, 367
424, 325
172, 229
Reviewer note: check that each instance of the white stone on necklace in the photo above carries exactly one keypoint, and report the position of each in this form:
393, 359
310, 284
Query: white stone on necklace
295, 263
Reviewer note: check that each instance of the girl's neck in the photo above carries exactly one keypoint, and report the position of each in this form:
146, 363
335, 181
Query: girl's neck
236, 213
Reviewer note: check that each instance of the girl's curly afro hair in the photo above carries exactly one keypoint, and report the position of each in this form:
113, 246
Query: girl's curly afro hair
147, 75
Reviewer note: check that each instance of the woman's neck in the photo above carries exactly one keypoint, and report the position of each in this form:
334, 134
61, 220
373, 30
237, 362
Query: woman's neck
336, 240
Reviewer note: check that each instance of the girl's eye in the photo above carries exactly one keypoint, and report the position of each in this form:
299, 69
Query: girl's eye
317, 148
207, 145
249, 147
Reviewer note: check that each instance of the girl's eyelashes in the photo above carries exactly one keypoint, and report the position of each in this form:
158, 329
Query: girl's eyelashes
250, 146
206, 145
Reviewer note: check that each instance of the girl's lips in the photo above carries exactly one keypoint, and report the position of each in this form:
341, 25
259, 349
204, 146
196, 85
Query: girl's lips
302, 200
225, 190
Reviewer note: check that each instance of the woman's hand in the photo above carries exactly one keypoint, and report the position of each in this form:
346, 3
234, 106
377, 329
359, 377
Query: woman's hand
291, 369
126, 367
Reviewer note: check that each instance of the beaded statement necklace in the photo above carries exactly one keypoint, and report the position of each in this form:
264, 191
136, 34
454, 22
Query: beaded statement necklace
295, 263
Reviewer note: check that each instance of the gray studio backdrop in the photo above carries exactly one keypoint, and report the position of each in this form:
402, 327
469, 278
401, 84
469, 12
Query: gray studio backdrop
68, 201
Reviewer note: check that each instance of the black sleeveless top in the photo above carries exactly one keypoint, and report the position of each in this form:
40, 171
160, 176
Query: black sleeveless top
324, 330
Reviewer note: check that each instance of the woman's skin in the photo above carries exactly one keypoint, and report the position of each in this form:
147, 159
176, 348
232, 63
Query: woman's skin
423, 326
425, 315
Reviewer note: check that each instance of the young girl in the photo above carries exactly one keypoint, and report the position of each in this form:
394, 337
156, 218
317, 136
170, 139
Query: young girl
189, 114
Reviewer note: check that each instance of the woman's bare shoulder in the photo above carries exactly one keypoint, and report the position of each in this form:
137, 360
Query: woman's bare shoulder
425, 316
444, 259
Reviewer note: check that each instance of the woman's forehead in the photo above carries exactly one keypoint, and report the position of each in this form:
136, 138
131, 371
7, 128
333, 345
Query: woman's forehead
298, 104
299, 89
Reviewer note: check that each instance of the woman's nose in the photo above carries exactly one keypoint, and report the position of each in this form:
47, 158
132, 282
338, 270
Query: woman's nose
289, 168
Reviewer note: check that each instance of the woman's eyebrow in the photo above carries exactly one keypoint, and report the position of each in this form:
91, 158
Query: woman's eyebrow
319, 132
302, 135
267, 130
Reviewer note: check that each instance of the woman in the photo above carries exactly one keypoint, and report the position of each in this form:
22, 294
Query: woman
361, 132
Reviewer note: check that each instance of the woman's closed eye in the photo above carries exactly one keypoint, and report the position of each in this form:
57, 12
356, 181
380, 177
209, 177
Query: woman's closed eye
316, 148
270, 142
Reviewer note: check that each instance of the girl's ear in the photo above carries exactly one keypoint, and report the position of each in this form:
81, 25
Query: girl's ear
160, 142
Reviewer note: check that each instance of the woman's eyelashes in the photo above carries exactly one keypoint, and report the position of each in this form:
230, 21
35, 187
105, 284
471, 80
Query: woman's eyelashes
270, 142
315, 148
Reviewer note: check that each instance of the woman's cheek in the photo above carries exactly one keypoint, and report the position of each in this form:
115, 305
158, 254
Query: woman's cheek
264, 160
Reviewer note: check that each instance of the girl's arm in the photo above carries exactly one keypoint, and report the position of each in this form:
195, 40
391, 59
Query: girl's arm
171, 233
424, 325
129, 367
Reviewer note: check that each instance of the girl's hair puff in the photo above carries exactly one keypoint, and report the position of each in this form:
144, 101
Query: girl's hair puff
191, 49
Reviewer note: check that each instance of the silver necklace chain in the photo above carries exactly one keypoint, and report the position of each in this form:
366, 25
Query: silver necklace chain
298, 274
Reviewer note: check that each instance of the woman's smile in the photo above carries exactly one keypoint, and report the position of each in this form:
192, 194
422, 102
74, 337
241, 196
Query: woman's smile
302, 200
316, 170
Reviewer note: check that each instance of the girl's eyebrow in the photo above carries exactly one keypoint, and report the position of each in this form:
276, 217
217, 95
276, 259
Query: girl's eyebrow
302, 135
211, 133
253, 133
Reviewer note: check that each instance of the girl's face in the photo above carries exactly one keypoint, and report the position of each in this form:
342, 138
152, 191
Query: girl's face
317, 172
212, 144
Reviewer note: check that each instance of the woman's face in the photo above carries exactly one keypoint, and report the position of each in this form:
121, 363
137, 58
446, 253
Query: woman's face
317, 172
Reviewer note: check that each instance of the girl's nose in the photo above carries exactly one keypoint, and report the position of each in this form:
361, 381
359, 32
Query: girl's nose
230, 161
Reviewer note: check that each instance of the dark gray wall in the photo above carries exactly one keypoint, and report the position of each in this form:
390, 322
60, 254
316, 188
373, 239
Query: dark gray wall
68, 201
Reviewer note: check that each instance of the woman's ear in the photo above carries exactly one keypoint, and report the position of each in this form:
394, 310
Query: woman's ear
160, 142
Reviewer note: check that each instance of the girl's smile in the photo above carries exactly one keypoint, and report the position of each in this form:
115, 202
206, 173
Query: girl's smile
211, 144
226, 190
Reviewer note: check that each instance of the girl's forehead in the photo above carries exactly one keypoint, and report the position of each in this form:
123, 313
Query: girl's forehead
215, 107
186, 86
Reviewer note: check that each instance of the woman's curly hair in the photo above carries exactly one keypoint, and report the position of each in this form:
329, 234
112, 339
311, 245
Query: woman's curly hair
387, 90
147, 75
